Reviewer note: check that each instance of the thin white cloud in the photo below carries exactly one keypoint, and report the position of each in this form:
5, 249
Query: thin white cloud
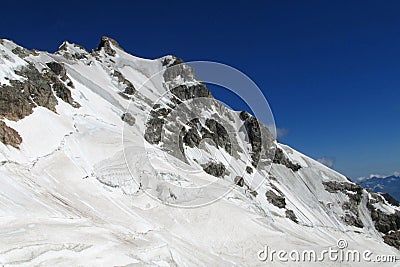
329, 162
379, 176
282, 132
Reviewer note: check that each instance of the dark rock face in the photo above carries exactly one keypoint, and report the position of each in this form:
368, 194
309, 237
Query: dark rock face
218, 134
274, 199
333, 187
129, 88
290, 214
213, 131
393, 239
18, 99
249, 169
9, 136
279, 201
13, 104
180, 93
23, 52
280, 158
350, 219
239, 181
215, 169
384, 222
184, 92
155, 124
153, 130
57, 68
60, 89
192, 138
254, 133
171, 61
351, 216
128, 118
260, 139
175, 67
106, 45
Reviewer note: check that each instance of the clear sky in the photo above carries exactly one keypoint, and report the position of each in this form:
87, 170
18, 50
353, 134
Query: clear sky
329, 69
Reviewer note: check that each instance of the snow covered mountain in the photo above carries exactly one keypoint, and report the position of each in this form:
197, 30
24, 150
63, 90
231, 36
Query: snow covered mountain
104, 164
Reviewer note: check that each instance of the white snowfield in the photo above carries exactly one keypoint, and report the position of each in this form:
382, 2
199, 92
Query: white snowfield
69, 198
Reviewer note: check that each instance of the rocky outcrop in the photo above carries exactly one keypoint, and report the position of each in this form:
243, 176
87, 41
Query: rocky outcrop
239, 181
155, 124
105, 44
351, 207
191, 137
249, 169
180, 93
23, 52
56, 82
334, 186
57, 69
276, 200
393, 239
212, 130
175, 67
254, 134
354, 220
153, 130
217, 132
170, 61
184, 92
290, 214
128, 118
18, 99
129, 89
261, 140
216, 169
280, 158
384, 222
9, 136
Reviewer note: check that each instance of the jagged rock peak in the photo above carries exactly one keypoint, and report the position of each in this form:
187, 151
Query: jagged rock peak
106, 43
171, 60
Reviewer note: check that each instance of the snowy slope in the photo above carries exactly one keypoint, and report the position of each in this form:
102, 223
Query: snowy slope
85, 187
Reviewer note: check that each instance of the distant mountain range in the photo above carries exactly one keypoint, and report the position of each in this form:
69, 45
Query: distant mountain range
385, 184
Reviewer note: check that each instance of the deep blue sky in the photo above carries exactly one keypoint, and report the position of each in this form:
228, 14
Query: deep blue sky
329, 69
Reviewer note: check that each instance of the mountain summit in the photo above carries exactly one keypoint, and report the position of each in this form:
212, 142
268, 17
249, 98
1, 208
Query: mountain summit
103, 163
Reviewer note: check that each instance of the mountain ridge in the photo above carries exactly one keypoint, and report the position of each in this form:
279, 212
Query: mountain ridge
70, 170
